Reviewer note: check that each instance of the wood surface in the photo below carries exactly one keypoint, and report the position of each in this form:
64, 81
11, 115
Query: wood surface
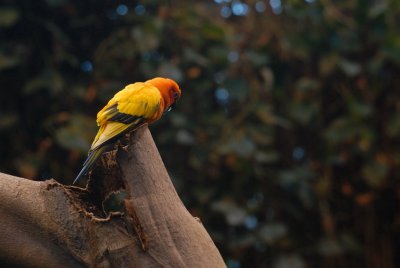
47, 224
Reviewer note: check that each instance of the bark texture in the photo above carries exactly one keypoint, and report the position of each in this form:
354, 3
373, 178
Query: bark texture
46, 224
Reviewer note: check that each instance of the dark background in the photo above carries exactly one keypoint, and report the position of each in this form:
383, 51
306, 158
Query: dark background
285, 141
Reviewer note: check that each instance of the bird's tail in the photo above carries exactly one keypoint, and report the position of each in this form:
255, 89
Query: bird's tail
90, 161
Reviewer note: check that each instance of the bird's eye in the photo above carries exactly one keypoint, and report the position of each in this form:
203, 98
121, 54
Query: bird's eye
176, 95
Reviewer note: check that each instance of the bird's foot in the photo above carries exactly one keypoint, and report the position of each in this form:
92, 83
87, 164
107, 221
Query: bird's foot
120, 147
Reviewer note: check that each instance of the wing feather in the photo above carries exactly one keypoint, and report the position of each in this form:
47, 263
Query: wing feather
127, 110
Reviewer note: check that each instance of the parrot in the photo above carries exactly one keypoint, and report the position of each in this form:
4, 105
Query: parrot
137, 104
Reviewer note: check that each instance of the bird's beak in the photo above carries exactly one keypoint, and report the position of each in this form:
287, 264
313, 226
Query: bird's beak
172, 106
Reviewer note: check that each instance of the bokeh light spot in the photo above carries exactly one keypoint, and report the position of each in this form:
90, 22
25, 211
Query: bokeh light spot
140, 10
250, 222
231, 263
233, 56
260, 6
219, 77
87, 66
298, 153
226, 12
122, 10
111, 14
222, 96
239, 8
276, 6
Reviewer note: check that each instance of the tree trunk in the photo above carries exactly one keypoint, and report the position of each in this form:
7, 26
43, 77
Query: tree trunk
46, 224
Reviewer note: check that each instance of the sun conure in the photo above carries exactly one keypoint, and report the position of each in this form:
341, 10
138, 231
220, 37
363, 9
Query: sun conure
135, 105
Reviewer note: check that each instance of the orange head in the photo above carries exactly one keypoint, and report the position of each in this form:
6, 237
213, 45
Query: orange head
169, 90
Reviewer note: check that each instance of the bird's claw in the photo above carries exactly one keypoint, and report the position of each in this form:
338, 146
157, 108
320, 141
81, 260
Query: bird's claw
120, 147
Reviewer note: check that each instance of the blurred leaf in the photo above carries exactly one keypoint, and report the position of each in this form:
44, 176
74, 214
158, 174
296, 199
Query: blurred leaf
242, 146
8, 61
49, 80
212, 31
185, 137
377, 9
77, 134
341, 129
28, 167
238, 88
258, 58
271, 232
57, 32
265, 114
8, 120
323, 186
304, 113
146, 39
391, 48
360, 109
8, 16
261, 135
306, 84
289, 261
234, 214
364, 199
244, 241
266, 156
203, 195
329, 247
393, 126
289, 177
171, 71
349, 243
192, 55
328, 63
350, 68
179, 120
218, 54
375, 174
268, 76
297, 181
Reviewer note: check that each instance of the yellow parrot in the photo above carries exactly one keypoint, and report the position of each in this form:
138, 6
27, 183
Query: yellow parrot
132, 107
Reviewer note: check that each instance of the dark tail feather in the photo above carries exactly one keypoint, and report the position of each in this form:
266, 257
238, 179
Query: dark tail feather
90, 161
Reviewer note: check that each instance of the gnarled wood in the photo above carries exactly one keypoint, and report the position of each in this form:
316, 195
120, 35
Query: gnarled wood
46, 224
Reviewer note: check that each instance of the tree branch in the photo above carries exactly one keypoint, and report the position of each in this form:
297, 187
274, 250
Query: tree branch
46, 224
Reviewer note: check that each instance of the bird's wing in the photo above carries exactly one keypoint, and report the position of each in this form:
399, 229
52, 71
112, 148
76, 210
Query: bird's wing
128, 109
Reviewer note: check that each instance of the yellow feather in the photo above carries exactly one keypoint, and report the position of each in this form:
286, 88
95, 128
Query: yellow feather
107, 132
133, 106
138, 99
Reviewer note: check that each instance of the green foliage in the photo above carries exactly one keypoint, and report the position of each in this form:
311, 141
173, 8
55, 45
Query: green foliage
285, 142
